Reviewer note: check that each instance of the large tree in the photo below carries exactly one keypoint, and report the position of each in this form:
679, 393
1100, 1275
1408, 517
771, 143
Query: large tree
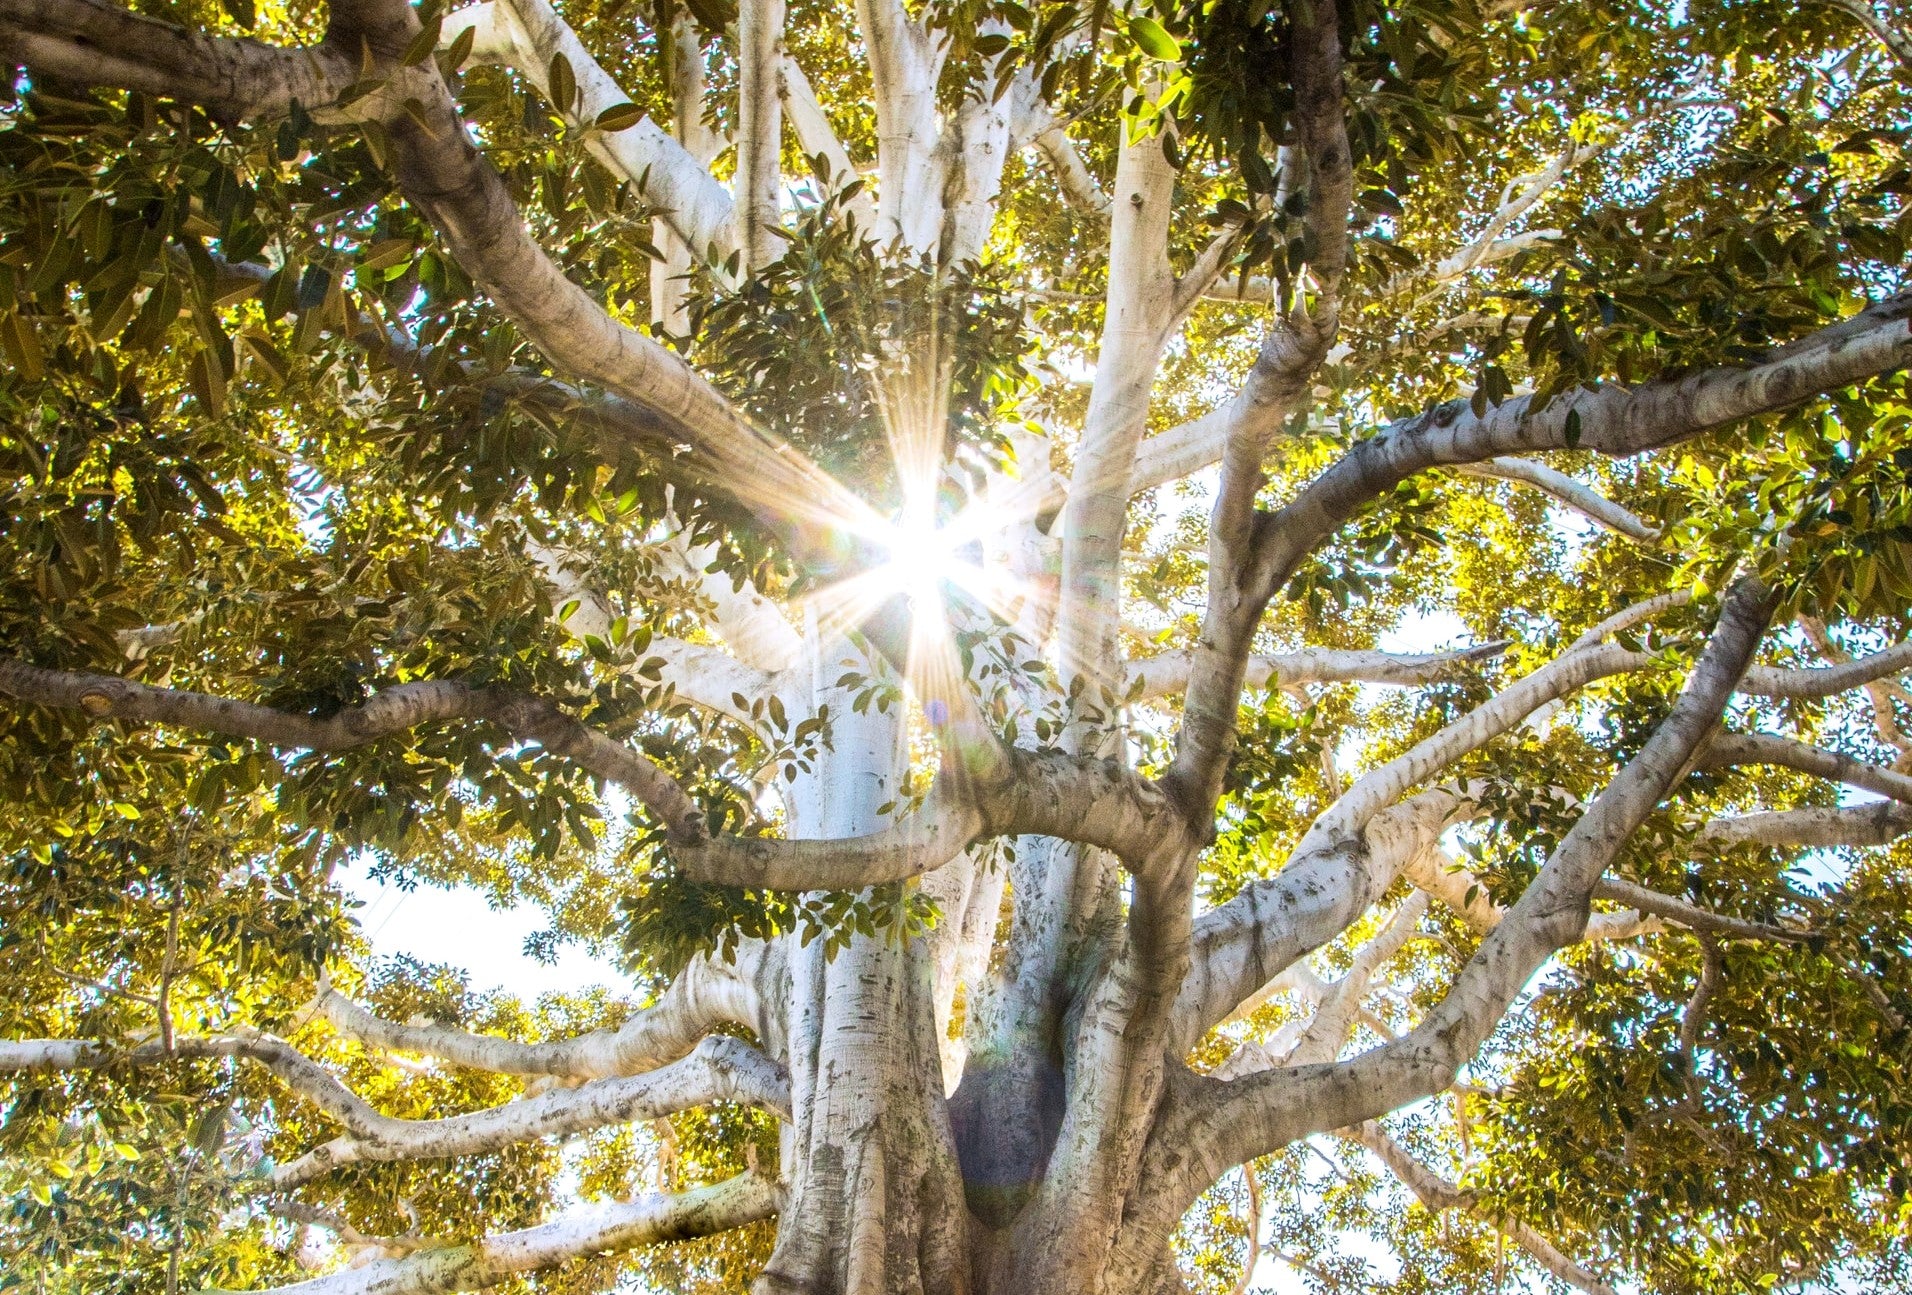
888, 516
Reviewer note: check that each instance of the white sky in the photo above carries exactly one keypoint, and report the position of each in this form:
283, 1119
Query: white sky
459, 926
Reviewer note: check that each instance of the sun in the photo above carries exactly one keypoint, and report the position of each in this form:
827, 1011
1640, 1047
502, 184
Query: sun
923, 556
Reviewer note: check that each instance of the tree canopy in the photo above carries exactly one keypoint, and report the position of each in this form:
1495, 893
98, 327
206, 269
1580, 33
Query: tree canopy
1165, 637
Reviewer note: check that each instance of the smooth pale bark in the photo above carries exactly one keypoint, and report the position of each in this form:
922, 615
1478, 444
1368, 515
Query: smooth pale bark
759, 143
526, 36
1135, 326
1165, 675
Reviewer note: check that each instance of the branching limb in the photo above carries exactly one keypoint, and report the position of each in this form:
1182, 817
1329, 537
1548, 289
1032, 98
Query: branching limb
719, 1069
1883, 694
1217, 1125
596, 1230
1612, 420
1338, 1010
1092, 802
1507, 709
443, 174
1437, 873
1164, 676
1036, 124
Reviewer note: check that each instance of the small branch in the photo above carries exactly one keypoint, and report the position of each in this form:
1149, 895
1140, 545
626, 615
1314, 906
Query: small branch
1438, 1195
704, 994
1691, 916
298, 1071
1825, 681
1887, 35
1628, 617
1583, 499
1693, 1020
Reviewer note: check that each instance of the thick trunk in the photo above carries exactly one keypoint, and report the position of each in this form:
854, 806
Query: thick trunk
891, 1186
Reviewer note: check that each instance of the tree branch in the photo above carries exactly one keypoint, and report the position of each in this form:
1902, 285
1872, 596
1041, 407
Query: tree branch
1166, 675
597, 1230
390, 711
819, 139
706, 993
1217, 1125
719, 1069
1825, 681
759, 182
1814, 828
1438, 1195
1729, 749
1583, 499
443, 174
526, 36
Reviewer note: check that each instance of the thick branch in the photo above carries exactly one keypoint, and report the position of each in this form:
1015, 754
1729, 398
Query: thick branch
1166, 675
703, 995
720, 1069
1815, 828
394, 710
92, 42
597, 1230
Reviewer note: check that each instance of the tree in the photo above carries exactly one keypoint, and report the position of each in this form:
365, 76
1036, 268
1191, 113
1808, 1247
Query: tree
889, 516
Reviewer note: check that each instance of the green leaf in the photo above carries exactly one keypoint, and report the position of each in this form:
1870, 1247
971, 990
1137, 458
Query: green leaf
563, 84
1153, 39
619, 116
